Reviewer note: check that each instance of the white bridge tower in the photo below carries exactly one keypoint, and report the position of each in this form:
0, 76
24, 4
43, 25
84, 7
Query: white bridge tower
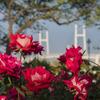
45, 40
80, 35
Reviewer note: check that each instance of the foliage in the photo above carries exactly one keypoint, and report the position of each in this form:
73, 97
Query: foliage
39, 80
93, 91
26, 13
36, 62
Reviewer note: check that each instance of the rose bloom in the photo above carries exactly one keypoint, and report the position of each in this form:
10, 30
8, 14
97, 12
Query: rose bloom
64, 75
38, 49
23, 42
85, 79
81, 91
10, 65
14, 94
73, 59
37, 78
3, 97
62, 58
56, 79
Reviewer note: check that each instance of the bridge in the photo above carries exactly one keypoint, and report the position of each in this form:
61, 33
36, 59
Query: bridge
95, 57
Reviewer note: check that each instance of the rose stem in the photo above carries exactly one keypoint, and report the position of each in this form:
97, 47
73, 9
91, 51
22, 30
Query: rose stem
93, 62
20, 70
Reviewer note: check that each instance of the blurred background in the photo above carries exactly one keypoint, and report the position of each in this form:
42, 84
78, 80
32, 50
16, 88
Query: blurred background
58, 17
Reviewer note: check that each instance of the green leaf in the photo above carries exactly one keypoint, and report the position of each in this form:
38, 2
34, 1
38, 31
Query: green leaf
9, 80
29, 93
59, 1
95, 68
87, 71
86, 62
18, 97
34, 62
19, 91
31, 66
24, 88
2, 89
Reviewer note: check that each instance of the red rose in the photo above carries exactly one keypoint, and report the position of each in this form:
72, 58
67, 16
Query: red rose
3, 66
56, 79
80, 90
74, 59
3, 97
62, 58
64, 75
10, 65
37, 78
23, 42
38, 49
87, 80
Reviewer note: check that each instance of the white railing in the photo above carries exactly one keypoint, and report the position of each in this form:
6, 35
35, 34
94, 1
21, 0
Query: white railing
96, 57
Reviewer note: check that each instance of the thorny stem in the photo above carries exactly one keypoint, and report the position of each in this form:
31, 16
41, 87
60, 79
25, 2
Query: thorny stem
93, 62
90, 60
83, 53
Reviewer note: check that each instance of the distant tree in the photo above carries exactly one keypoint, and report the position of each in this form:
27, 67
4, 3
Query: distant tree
94, 19
3, 38
25, 13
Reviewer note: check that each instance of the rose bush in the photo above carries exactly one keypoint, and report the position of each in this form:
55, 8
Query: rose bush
41, 83
10, 65
14, 94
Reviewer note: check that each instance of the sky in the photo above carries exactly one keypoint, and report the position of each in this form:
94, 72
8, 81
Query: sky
61, 36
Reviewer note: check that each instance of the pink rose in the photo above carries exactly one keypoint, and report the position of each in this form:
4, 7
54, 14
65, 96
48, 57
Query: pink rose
80, 88
3, 97
10, 65
23, 42
73, 59
62, 58
37, 78
14, 94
